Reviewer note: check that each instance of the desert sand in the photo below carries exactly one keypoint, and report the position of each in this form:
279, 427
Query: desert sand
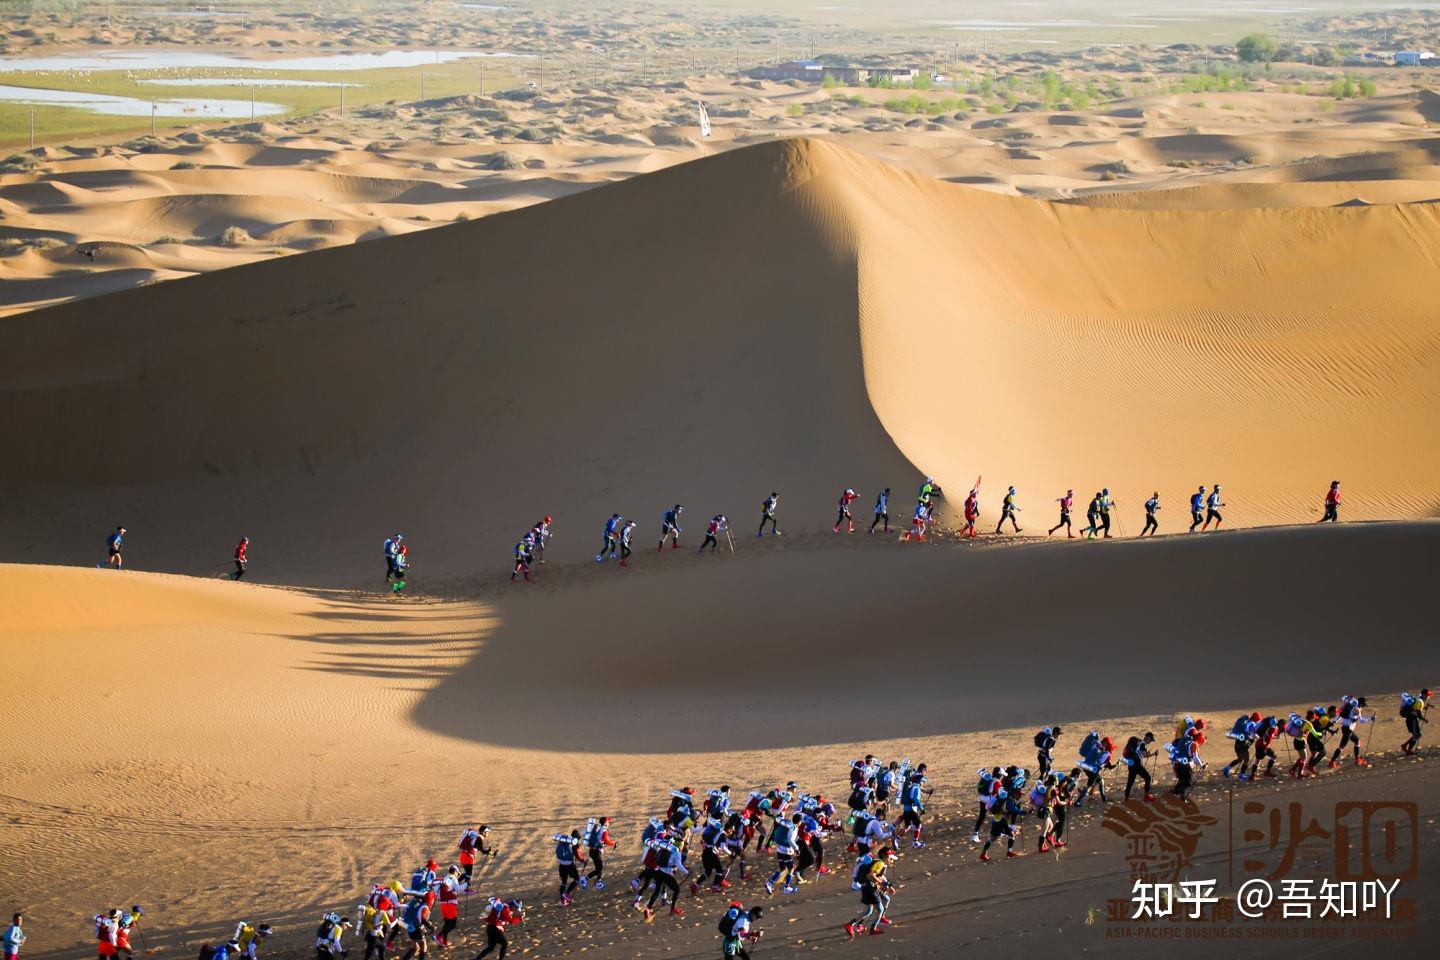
217, 750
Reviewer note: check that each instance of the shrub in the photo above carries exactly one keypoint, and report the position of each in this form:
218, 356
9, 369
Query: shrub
795, 110
1256, 48
185, 165
233, 237
829, 82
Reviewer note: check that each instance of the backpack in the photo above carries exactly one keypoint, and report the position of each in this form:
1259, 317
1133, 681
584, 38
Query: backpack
862, 820
858, 798
1407, 706
564, 849
206, 951
727, 922
1237, 732
593, 832
1040, 739
986, 785
1088, 745
1348, 710
1037, 795
1177, 751
421, 880
1132, 749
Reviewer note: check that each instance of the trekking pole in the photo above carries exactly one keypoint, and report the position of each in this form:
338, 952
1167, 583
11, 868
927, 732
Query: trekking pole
731, 539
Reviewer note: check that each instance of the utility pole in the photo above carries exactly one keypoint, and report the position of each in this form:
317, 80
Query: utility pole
777, 51
252, 101
482, 78
737, 56
154, 109
32, 126
342, 98
422, 85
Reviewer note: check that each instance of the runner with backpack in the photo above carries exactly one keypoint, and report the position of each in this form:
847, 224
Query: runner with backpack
612, 539
882, 511
500, 915
1244, 733
1351, 716
1412, 710
567, 860
1045, 748
844, 516
786, 837
472, 845
1095, 753
1265, 735
767, 514
1004, 808
1137, 750
597, 838
329, 936
912, 805
1184, 757
1066, 502
737, 927
875, 892
986, 789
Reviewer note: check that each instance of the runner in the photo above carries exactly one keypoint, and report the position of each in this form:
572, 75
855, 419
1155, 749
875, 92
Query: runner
1212, 509
328, 937
542, 533
523, 558
1152, 524
1105, 505
472, 845
882, 511
1044, 798
626, 532
612, 539
1003, 810
114, 545
844, 516
988, 786
912, 805
928, 488
402, 565
1095, 753
1197, 509
1092, 516
1412, 709
1245, 732
107, 930
501, 914
597, 838
1007, 511
737, 928
717, 525
449, 896
1265, 736
1300, 730
767, 514
1136, 752
392, 552
1045, 748
670, 527
1352, 714
715, 837
1066, 502
972, 513
1332, 503
668, 861
785, 835
13, 938
1185, 757
917, 523
875, 891
567, 855
240, 560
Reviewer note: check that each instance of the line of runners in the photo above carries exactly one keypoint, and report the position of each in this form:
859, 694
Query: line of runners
886, 807
619, 532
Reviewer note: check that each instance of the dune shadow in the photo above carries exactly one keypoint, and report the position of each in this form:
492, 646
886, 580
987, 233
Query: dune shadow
826, 646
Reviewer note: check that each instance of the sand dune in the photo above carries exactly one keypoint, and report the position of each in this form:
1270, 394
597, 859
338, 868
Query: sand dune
533, 712
843, 286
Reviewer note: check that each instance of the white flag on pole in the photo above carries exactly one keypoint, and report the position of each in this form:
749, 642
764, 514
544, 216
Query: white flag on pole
704, 120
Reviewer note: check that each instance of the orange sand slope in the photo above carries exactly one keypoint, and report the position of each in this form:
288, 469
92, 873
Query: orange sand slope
195, 746
692, 335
